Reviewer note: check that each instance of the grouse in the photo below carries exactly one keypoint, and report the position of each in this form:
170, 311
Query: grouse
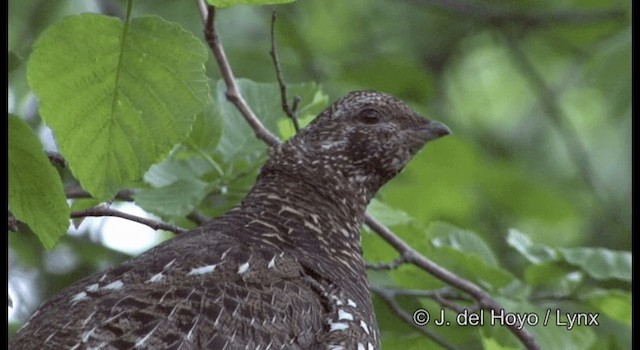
282, 270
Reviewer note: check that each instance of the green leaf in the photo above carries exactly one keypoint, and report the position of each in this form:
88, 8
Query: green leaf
175, 200
613, 303
553, 335
36, 196
554, 277
600, 263
464, 253
535, 253
228, 3
387, 215
118, 96
462, 240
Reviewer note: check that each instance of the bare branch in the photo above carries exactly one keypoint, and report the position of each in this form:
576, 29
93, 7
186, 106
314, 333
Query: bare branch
412, 256
104, 211
13, 223
198, 218
289, 111
388, 296
233, 93
387, 266
56, 158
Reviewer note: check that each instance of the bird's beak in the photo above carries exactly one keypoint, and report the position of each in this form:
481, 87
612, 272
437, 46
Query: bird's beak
432, 131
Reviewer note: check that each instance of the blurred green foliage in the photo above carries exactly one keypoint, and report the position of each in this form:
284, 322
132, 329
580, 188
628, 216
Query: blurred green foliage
529, 198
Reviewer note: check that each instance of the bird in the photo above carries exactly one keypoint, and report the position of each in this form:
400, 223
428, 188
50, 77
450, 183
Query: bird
281, 270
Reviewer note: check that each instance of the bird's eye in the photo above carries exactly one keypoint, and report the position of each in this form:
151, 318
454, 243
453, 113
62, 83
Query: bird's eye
369, 116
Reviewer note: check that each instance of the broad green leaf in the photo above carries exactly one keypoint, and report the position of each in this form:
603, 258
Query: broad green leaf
228, 3
472, 267
465, 241
172, 170
535, 253
175, 200
613, 303
555, 278
600, 263
207, 129
118, 96
465, 254
36, 196
387, 215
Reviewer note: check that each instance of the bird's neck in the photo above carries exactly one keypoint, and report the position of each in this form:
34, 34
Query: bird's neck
312, 216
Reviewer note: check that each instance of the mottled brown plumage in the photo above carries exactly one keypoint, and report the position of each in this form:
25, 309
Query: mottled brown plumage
282, 270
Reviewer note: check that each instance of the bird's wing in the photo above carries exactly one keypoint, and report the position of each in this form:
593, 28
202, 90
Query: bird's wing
182, 296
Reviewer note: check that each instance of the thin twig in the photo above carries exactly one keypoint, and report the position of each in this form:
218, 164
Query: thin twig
233, 93
13, 223
104, 211
412, 256
198, 218
387, 266
389, 298
289, 111
56, 158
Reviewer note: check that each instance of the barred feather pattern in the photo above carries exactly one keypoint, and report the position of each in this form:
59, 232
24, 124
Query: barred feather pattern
282, 270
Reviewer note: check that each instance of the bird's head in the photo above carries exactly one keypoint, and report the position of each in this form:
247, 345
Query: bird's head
364, 138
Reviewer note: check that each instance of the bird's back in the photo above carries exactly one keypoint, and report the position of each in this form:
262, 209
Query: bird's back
193, 292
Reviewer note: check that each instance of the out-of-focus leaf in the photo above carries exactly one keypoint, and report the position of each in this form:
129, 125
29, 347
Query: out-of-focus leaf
118, 97
36, 196
600, 263
553, 335
465, 241
614, 303
175, 200
535, 253
555, 278
387, 215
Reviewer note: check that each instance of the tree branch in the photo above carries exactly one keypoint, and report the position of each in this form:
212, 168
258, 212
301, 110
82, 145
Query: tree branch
388, 296
104, 211
233, 93
387, 266
414, 257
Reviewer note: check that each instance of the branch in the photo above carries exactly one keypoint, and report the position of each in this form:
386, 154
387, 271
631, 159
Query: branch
233, 93
56, 158
104, 211
388, 297
289, 111
412, 256
387, 266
